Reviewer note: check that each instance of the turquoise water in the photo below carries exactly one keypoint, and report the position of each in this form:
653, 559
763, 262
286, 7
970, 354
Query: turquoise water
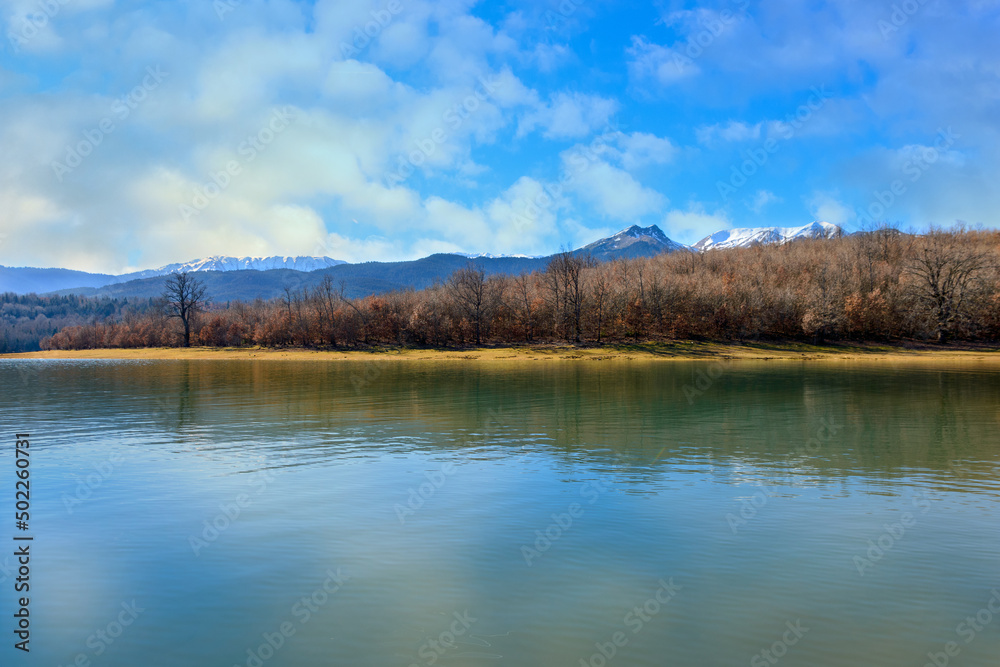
381, 513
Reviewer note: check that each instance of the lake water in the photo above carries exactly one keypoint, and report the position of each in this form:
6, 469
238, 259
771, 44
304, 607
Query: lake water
551, 513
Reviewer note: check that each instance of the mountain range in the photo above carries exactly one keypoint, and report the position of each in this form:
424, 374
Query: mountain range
220, 263
24, 280
245, 278
742, 238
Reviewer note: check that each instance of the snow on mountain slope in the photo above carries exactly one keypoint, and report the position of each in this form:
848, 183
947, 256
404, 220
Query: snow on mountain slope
743, 238
634, 241
653, 234
221, 263
489, 255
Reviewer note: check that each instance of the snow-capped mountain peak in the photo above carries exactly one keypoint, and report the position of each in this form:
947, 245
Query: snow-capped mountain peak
750, 236
637, 232
651, 237
223, 263
489, 255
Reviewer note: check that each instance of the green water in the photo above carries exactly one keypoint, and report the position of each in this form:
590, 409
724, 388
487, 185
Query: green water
449, 514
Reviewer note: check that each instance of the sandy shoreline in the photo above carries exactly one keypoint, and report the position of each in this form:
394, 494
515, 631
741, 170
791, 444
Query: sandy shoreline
682, 351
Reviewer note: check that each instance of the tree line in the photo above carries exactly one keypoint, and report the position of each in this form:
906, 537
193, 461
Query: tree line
877, 285
26, 319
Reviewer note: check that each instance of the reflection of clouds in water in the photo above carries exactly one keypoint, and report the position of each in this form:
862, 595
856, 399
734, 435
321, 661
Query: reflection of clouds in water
344, 459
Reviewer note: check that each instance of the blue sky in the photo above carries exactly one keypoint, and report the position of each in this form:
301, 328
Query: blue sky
141, 133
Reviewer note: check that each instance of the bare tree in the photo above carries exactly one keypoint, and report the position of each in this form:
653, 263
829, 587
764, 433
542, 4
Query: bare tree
600, 290
945, 269
327, 299
468, 290
497, 288
823, 310
563, 280
363, 315
185, 296
572, 267
876, 244
298, 324
636, 313
522, 305
552, 281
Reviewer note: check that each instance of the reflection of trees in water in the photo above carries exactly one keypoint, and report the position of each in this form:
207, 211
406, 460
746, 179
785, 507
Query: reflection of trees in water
922, 419
612, 416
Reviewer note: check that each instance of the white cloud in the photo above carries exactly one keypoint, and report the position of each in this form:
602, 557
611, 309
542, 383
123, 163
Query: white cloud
402, 43
36, 27
523, 219
640, 149
654, 64
509, 92
568, 116
463, 226
826, 207
263, 62
693, 224
25, 212
524, 216
355, 83
353, 249
550, 57
761, 199
733, 131
610, 191
242, 220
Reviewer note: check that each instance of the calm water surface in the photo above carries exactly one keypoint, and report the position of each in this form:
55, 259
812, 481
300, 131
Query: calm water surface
374, 513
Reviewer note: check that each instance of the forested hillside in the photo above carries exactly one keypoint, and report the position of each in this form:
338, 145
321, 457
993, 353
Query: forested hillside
876, 286
27, 319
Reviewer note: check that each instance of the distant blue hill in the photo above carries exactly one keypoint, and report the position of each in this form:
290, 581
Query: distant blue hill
25, 280
248, 278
